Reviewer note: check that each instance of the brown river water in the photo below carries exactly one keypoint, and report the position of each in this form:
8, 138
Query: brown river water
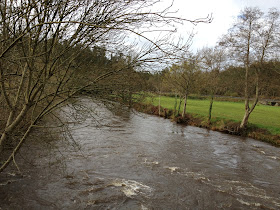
130, 160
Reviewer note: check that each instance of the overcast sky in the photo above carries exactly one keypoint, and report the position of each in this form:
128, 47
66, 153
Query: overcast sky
223, 13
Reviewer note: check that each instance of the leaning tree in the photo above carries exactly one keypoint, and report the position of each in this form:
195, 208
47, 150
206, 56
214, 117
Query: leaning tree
42, 39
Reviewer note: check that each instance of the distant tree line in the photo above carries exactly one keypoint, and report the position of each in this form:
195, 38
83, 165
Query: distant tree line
244, 63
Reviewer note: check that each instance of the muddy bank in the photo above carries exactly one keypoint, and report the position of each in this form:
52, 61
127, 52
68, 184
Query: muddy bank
225, 126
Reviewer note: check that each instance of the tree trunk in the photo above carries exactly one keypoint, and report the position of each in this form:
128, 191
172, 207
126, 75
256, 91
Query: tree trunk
179, 108
185, 106
210, 109
130, 99
175, 105
159, 104
249, 110
245, 119
12, 156
13, 124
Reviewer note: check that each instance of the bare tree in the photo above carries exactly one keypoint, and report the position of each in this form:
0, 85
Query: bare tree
249, 42
182, 77
212, 61
40, 43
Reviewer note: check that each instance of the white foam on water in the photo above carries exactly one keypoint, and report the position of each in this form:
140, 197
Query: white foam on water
196, 176
144, 207
91, 203
233, 187
150, 163
132, 188
274, 157
172, 169
264, 153
249, 204
248, 189
276, 204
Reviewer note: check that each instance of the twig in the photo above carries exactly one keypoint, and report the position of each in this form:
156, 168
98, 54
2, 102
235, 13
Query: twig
16, 163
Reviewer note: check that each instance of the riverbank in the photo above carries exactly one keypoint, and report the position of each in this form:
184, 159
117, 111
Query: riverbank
217, 124
265, 117
121, 159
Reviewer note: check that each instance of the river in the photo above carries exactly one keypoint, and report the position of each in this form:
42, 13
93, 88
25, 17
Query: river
129, 160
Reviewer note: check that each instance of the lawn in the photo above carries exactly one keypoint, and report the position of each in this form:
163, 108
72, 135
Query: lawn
267, 117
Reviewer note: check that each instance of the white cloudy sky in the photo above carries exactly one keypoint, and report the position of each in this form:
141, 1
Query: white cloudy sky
223, 12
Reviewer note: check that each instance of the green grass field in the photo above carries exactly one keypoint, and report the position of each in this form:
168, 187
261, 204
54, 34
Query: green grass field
267, 117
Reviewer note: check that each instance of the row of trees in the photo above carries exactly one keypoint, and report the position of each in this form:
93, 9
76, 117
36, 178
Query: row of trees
244, 62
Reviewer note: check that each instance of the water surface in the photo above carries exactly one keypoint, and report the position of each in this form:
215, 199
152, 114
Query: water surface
128, 160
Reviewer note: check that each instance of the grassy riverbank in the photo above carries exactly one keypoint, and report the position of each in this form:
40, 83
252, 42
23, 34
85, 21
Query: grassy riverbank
264, 123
